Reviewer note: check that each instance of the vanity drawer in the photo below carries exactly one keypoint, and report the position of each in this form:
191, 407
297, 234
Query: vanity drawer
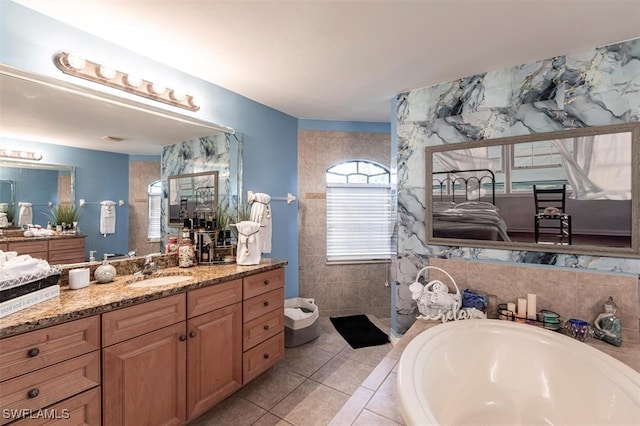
262, 304
49, 385
259, 359
207, 299
126, 323
36, 248
4, 247
263, 282
81, 410
262, 328
71, 243
36, 349
66, 256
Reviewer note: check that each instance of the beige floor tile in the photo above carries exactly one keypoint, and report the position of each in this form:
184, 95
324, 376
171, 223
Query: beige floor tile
370, 355
233, 411
379, 373
271, 387
368, 418
352, 409
385, 400
328, 341
311, 404
271, 420
305, 359
342, 374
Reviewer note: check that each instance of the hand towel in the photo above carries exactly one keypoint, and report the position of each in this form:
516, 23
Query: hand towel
25, 216
248, 252
261, 213
107, 217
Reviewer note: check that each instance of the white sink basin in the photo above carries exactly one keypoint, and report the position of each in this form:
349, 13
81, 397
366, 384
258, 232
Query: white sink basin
160, 281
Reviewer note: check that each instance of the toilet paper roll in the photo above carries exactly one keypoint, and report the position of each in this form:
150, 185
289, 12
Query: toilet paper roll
78, 278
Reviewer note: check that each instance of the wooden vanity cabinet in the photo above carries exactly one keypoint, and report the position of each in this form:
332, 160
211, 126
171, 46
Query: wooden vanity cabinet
56, 251
53, 369
263, 322
34, 248
144, 363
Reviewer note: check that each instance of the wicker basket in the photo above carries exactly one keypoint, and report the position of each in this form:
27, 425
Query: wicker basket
434, 300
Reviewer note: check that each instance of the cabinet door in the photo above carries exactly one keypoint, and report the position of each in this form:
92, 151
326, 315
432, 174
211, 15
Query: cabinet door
144, 379
214, 357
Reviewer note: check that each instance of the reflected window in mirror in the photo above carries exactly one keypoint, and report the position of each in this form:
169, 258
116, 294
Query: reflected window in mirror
480, 193
154, 191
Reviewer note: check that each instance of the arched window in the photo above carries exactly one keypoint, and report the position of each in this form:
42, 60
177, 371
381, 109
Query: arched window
154, 192
359, 222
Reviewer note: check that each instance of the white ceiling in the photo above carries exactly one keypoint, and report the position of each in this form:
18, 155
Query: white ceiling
345, 60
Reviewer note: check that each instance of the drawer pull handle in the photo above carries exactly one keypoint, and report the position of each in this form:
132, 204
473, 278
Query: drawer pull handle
182, 337
266, 282
266, 303
33, 352
265, 356
266, 327
192, 334
33, 393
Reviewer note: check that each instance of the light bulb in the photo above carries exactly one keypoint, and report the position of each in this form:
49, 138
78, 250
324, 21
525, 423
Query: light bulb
23, 154
132, 80
177, 95
158, 88
37, 156
195, 102
76, 62
106, 72
8, 153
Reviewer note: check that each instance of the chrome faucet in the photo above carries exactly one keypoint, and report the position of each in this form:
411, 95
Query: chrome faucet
150, 267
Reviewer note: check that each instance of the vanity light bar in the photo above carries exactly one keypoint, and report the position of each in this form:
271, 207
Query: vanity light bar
79, 67
20, 155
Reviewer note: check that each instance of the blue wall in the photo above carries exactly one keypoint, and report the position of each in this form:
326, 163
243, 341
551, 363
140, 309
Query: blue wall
344, 126
29, 40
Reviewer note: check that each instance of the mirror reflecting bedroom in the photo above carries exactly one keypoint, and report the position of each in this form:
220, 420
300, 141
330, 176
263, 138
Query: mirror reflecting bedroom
566, 189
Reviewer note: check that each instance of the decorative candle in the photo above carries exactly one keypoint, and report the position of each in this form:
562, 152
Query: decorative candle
522, 308
78, 278
511, 307
531, 306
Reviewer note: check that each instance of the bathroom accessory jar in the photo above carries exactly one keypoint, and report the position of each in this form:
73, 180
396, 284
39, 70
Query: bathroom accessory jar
186, 252
105, 273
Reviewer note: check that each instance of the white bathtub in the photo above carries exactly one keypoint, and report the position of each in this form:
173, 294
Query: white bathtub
490, 372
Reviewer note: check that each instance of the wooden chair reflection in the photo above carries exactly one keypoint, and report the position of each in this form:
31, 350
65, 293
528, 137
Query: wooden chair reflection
551, 213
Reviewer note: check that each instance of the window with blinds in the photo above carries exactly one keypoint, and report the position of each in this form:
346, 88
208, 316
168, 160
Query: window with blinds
359, 212
155, 200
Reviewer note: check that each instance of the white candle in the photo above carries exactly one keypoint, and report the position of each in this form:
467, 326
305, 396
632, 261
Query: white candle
78, 278
522, 308
511, 307
531, 306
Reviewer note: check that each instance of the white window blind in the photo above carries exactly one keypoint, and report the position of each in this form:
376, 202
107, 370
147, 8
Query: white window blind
359, 223
155, 200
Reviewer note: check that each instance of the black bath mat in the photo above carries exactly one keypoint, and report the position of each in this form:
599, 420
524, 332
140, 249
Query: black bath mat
359, 331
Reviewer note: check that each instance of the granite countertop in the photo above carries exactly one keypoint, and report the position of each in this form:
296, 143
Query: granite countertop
628, 353
16, 239
100, 298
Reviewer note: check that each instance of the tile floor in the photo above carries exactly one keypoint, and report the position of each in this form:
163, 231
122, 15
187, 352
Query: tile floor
310, 386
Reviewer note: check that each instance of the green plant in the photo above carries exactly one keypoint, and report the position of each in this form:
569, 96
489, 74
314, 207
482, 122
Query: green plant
222, 217
10, 214
244, 212
63, 213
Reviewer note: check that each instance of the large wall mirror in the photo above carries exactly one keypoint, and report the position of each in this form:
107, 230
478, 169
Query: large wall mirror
574, 191
193, 196
42, 185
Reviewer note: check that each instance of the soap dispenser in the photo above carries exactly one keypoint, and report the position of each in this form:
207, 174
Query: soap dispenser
105, 273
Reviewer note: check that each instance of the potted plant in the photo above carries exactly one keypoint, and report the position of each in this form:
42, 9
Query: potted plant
66, 214
222, 224
10, 215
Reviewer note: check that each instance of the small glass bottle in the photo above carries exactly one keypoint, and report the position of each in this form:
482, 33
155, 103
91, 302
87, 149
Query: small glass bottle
105, 273
186, 254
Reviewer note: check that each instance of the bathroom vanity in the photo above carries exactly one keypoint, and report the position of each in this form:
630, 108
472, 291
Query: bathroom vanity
58, 249
150, 355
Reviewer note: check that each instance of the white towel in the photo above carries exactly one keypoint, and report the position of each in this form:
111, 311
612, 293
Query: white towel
26, 214
108, 217
261, 213
248, 243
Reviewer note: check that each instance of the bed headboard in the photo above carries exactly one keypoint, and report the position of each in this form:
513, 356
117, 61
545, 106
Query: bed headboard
449, 184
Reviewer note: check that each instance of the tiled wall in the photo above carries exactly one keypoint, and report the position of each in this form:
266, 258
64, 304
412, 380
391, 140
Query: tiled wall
141, 174
337, 289
570, 292
583, 89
